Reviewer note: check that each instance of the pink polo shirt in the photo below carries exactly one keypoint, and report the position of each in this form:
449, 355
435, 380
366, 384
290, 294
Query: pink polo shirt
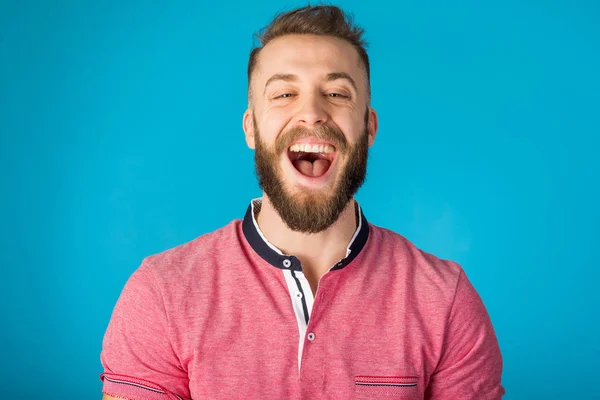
229, 316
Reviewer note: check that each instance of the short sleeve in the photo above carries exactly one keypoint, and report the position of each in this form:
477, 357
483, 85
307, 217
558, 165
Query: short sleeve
138, 359
471, 363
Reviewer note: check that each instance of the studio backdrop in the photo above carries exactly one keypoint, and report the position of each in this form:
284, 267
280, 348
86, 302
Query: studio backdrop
121, 136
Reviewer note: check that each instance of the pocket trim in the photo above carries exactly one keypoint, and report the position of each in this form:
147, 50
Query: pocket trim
393, 381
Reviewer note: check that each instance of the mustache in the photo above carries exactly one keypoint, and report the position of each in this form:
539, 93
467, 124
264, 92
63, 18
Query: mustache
333, 135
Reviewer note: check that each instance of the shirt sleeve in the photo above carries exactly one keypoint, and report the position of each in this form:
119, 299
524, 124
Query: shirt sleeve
471, 363
138, 359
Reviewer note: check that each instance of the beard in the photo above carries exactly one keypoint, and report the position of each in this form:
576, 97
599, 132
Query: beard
308, 210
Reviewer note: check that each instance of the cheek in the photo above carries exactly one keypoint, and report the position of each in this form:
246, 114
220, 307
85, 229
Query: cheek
272, 126
353, 131
350, 121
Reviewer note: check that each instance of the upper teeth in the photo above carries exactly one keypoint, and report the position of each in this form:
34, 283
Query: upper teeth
312, 148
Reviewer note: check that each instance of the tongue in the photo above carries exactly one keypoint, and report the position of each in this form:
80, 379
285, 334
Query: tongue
314, 169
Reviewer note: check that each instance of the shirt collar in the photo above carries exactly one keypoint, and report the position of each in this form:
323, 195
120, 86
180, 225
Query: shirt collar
278, 259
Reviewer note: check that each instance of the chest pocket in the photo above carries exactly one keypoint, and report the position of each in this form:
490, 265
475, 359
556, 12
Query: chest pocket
387, 387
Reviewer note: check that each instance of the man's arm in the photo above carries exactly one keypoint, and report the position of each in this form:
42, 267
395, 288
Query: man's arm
471, 363
107, 397
137, 353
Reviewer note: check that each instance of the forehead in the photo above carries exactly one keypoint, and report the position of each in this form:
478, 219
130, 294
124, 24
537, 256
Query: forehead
308, 56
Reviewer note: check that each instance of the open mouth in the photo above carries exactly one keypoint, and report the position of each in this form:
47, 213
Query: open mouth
312, 160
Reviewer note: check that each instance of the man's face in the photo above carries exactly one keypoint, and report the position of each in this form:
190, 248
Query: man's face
311, 126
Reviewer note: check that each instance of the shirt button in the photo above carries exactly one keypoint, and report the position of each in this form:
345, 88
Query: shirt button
299, 295
311, 336
287, 263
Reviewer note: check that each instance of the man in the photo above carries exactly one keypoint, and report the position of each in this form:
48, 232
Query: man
303, 298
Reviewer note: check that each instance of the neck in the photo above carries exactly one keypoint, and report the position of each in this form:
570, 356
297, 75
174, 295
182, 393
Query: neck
317, 251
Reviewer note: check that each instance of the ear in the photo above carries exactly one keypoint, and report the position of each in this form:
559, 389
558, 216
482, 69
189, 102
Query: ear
248, 125
372, 126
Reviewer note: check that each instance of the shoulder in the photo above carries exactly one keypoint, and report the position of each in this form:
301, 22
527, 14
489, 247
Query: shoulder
424, 269
170, 286
190, 259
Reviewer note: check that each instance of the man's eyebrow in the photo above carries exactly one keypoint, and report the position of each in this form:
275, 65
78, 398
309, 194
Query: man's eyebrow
334, 76
280, 77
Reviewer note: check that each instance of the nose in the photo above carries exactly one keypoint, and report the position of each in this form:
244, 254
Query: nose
312, 112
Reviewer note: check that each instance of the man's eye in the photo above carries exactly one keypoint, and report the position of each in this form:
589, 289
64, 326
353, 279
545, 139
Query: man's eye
284, 96
337, 95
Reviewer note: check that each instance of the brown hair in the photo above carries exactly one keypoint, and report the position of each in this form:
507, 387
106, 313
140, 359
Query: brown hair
315, 20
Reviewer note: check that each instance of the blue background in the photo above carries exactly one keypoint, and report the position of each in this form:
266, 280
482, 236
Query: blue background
121, 137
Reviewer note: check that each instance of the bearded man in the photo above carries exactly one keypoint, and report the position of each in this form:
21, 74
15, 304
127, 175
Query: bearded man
303, 298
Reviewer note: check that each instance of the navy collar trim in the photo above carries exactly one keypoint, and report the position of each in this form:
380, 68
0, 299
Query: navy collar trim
276, 258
